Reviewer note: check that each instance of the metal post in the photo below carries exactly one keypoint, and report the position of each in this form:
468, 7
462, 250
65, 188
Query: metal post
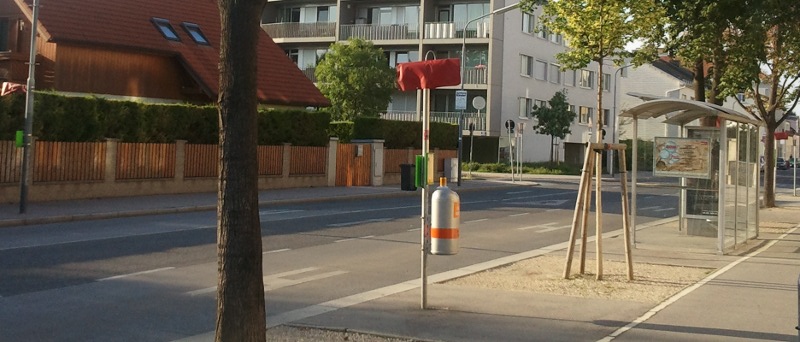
616, 122
634, 176
511, 153
794, 168
723, 157
28, 129
471, 144
424, 235
798, 308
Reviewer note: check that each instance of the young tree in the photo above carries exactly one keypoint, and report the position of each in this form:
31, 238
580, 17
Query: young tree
764, 62
555, 119
356, 78
240, 290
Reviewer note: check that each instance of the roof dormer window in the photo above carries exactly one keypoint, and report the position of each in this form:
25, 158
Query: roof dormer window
166, 29
194, 31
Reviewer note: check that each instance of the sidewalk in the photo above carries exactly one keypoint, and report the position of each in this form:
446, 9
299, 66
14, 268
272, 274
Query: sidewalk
752, 295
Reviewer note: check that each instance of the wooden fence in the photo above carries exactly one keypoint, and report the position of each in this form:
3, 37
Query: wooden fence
10, 161
308, 160
145, 161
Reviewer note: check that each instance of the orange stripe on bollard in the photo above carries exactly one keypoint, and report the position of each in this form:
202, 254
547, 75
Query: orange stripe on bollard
444, 233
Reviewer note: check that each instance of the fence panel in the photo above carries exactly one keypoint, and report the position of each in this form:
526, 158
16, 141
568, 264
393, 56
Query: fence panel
201, 161
392, 158
145, 161
270, 160
68, 161
10, 162
308, 160
353, 170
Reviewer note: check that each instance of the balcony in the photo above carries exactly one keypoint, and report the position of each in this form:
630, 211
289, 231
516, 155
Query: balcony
379, 32
300, 30
310, 73
476, 75
451, 30
479, 119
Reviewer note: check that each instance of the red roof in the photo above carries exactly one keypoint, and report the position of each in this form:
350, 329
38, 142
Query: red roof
128, 25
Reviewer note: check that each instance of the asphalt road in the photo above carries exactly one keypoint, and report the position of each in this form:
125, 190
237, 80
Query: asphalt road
152, 278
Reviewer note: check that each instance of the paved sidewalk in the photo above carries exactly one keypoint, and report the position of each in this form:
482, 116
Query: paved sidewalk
751, 297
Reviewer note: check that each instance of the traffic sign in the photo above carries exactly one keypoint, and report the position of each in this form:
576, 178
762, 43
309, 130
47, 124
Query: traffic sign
461, 99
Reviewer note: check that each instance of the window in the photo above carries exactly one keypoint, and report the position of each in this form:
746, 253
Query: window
166, 29
571, 108
569, 78
606, 82
555, 73
527, 23
294, 55
542, 33
585, 114
526, 65
540, 104
586, 79
540, 70
555, 38
525, 106
606, 115
290, 15
323, 14
194, 31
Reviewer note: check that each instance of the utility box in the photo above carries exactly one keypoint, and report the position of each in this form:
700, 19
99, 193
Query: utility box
451, 169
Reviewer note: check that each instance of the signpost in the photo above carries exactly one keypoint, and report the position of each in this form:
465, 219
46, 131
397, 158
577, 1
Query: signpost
461, 105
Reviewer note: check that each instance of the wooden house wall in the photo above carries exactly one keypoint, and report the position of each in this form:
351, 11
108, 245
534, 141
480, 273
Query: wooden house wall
105, 71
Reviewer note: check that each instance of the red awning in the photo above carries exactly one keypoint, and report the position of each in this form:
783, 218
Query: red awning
429, 74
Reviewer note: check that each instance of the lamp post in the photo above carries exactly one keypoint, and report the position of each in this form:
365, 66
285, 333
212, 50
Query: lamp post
463, 53
28, 133
616, 123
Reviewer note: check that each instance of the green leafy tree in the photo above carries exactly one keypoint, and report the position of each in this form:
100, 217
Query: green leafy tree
554, 120
597, 31
356, 77
240, 287
764, 64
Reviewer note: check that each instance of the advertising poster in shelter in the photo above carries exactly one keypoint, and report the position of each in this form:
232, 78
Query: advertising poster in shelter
682, 157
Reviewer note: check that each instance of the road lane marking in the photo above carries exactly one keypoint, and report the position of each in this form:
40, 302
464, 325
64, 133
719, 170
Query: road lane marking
273, 283
518, 192
271, 277
277, 251
413, 229
356, 238
363, 297
664, 209
551, 229
359, 222
277, 212
478, 220
649, 208
520, 214
136, 273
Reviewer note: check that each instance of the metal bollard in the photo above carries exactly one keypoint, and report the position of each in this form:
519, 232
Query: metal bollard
798, 309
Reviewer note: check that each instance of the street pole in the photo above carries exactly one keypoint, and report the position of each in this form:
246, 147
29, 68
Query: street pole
616, 122
463, 59
28, 130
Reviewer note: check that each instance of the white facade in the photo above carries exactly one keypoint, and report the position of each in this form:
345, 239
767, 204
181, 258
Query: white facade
507, 63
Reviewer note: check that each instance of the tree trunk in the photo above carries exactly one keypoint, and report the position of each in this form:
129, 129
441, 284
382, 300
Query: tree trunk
699, 80
240, 291
552, 150
769, 166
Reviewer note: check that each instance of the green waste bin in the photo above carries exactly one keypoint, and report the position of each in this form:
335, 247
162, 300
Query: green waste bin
407, 177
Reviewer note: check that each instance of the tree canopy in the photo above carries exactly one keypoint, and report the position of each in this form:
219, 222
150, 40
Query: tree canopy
356, 77
555, 119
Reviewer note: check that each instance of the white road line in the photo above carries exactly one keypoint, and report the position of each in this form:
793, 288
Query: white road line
271, 283
357, 238
549, 210
359, 222
277, 250
528, 227
272, 276
336, 304
553, 229
473, 221
648, 208
344, 240
518, 192
664, 209
276, 212
671, 300
520, 214
136, 273
413, 229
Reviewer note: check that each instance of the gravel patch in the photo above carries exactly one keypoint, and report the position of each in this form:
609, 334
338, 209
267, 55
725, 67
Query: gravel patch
294, 333
652, 283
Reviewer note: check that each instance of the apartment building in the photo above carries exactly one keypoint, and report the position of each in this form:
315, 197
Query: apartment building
506, 62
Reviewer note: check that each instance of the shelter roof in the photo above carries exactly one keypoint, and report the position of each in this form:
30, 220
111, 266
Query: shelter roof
685, 111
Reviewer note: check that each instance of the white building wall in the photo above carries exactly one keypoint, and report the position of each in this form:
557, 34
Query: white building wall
649, 80
536, 147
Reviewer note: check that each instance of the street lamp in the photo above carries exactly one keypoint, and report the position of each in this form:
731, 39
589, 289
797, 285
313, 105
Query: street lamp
616, 122
463, 52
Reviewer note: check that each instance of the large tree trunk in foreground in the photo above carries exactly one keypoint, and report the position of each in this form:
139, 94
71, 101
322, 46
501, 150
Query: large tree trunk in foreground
240, 290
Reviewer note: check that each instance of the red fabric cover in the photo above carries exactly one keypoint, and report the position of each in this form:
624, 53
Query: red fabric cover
429, 74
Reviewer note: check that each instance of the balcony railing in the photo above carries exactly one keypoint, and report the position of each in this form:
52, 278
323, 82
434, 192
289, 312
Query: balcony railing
379, 32
310, 73
476, 75
300, 30
453, 30
479, 119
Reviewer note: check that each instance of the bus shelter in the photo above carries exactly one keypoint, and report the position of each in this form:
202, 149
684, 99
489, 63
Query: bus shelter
715, 167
